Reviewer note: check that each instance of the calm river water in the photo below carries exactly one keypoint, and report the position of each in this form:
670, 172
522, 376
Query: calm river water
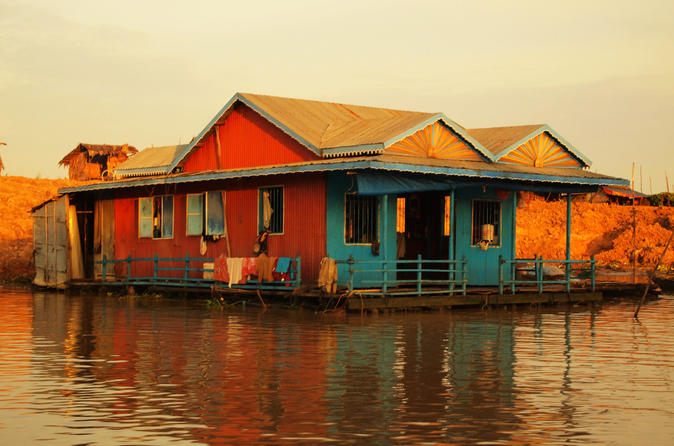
110, 370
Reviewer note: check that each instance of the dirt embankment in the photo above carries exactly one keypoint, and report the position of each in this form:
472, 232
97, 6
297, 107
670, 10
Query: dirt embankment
17, 196
600, 229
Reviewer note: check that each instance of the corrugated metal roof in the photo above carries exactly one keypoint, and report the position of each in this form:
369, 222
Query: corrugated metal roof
623, 191
469, 170
496, 139
150, 161
332, 129
330, 125
502, 140
98, 149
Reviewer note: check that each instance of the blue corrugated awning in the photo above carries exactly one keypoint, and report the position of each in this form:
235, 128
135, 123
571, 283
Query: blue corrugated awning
374, 183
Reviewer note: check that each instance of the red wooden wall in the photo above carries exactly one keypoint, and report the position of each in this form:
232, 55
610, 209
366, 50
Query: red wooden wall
247, 140
304, 224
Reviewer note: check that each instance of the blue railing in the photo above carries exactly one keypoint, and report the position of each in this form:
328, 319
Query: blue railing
538, 278
447, 276
184, 280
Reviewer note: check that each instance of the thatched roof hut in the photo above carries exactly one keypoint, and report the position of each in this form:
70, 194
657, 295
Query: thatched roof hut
95, 161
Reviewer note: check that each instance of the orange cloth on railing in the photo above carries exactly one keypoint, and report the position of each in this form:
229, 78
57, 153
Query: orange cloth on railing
220, 272
265, 267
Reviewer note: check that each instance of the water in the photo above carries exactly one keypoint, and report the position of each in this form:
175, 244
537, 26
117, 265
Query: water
109, 370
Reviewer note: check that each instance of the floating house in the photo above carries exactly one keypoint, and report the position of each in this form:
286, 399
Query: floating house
404, 201
95, 161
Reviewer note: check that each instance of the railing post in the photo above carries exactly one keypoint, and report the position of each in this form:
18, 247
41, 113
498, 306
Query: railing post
385, 285
592, 272
513, 273
298, 271
500, 274
452, 267
568, 276
187, 267
104, 267
156, 267
464, 273
419, 275
350, 262
128, 268
539, 274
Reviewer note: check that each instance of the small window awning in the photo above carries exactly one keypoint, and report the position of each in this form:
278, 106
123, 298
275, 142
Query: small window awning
374, 183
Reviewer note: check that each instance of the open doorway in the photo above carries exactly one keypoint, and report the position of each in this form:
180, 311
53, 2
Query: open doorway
423, 225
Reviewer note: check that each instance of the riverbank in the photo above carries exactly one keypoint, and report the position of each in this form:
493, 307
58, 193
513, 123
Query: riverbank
602, 230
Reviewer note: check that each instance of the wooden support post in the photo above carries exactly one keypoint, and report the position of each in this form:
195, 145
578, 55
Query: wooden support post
187, 267
350, 262
384, 226
156, 266
567, 273
128, 268
104, 268
464, 273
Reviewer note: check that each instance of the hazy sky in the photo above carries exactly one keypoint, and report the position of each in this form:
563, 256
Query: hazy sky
146, 73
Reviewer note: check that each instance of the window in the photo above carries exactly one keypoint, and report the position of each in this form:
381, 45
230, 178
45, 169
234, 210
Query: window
361, 219
155, 217
205, 213
486, 222
195, 214
270, 209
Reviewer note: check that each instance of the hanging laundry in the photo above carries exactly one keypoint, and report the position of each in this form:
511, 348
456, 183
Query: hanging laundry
327, 275
249, 266
234, 267
220, 272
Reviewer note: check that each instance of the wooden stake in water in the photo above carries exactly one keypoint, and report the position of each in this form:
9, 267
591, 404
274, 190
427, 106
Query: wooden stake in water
650, 277
634, 233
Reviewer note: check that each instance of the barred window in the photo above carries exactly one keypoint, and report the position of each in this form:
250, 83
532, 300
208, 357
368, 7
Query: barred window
361, 219
486, 222
270, 209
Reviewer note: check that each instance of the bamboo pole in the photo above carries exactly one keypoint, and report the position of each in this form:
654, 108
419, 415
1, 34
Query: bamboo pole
650, 277
222, 193
634, 233
667, 181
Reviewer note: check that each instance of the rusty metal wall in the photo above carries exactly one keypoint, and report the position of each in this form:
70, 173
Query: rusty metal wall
247, 140
304, 224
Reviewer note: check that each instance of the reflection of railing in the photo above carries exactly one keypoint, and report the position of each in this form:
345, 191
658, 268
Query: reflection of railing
159, 277
407, 277
538, 273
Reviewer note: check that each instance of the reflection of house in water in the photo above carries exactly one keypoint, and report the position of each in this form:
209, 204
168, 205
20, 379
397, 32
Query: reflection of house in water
413, 369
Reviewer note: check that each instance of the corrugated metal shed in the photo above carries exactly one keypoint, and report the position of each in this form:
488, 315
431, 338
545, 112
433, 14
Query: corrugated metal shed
150, 161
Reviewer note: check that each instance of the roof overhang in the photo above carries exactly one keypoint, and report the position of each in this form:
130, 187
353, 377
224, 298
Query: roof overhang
474, 174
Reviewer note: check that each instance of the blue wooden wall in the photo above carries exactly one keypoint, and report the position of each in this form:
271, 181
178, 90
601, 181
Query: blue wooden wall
483, 265
338, 184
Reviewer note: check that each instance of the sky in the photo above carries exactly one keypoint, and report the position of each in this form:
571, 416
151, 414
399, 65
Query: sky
601, 73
